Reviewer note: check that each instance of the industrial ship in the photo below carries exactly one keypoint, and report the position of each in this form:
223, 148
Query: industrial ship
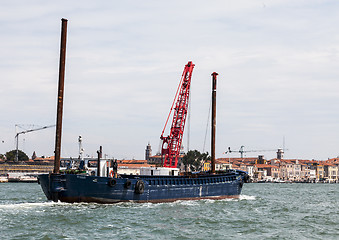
140, 188
104, 185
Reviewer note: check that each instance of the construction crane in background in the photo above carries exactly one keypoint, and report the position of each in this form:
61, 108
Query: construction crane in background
172, 143
24, 132
242, 151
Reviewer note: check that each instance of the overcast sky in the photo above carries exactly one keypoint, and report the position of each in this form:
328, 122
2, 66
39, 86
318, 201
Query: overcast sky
277, 63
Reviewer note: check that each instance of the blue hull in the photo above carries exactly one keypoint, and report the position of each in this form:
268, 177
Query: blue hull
134, 188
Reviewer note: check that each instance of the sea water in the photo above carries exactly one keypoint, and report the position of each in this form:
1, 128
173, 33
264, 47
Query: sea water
264, 211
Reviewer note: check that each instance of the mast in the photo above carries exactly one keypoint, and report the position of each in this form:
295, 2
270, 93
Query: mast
99, 152
214, 120
81, 150
60, 96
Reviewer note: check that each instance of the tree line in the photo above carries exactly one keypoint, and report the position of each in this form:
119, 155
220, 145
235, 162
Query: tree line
11, 156
194, 160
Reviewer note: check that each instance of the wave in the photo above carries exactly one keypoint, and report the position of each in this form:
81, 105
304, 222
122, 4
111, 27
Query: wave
246, 197
29, 205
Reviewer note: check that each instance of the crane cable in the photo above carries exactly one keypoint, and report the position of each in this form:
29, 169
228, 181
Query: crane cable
174, 101
208, 119
188, 123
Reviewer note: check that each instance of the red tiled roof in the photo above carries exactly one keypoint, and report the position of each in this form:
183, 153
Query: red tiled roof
328, 164
333, 160
238, 159
264, 166
44, 159
220, 161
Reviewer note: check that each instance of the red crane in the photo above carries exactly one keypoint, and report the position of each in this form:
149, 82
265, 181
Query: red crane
171, 144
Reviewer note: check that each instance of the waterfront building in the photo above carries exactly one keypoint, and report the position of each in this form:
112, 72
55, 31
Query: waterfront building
275, 172
320, 172
283, 169
265, 172
247, 168
286, 170
221, 165
331, 172
250, 170
305, 171
312, 165
313, 175
206, 166
296, 171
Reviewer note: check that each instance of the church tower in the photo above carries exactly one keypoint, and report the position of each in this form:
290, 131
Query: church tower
148, 151
280, 153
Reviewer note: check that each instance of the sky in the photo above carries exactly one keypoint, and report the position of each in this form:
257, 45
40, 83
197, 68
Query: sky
277, 60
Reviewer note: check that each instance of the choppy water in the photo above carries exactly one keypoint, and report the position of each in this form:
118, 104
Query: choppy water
264, 211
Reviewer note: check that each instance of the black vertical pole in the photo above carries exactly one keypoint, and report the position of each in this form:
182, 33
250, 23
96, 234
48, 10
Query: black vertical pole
60, 96
214, 120
99, 157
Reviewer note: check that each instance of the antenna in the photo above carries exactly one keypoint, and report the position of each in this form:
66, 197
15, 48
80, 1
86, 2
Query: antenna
188, 123
81, 150
284, 143
207, 125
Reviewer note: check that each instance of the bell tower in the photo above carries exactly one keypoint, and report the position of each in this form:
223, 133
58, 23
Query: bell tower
148, 151
280, 154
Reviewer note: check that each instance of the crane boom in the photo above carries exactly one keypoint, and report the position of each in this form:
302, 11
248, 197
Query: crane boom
35, 129
172, 143
27, 131
242, 151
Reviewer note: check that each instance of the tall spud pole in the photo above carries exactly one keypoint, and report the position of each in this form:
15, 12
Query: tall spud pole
214, 120
60, 96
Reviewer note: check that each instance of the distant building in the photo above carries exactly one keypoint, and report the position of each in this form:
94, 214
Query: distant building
261, 160
148, 151
207, 166
280, 154
129, 167
320, 172
33, 156
331, 172
158, 161
221, 165
44, 160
